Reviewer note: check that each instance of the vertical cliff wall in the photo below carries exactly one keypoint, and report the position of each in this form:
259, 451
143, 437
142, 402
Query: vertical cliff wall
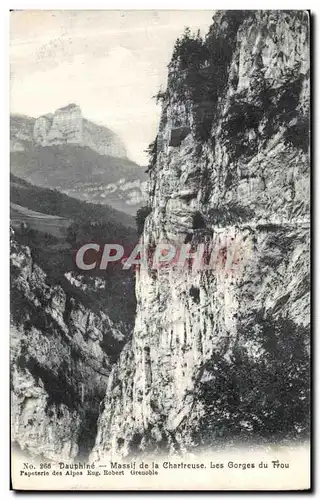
223, 354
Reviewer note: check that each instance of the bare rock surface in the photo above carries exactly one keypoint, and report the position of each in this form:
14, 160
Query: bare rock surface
59, 369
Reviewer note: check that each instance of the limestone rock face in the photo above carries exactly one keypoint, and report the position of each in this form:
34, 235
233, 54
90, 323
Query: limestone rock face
67, 126
58, 368
222, 353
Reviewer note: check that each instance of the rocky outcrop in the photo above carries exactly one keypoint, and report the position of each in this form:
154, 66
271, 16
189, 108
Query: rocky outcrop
60, 361
67, 126
221, 354
21, 130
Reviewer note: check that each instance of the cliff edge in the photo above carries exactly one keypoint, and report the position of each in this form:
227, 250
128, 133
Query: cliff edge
223, 354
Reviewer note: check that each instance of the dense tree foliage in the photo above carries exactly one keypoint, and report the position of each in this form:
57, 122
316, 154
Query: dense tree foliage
258, 395
205, 65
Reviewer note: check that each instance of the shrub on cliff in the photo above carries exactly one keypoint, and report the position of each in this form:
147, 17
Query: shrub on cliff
204, 64
189, 49
298, 135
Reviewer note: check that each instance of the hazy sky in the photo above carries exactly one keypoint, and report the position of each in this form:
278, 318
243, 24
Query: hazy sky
111, 63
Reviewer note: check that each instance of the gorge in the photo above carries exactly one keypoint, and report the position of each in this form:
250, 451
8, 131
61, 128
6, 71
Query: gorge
212, 357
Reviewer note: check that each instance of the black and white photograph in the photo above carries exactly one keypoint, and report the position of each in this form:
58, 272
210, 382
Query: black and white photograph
160, 250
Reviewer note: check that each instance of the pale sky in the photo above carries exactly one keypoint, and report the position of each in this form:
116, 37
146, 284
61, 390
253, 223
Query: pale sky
111, 63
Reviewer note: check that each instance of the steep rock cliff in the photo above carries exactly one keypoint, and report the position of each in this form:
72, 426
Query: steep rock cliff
222, 354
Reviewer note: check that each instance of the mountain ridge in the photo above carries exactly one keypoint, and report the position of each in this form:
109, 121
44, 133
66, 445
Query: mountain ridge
67, 152
52, 202
67, 125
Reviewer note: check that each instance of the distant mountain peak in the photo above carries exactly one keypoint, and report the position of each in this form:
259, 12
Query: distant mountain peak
66, 125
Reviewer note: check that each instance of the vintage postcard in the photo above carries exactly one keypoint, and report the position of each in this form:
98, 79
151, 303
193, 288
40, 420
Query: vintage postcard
160, 250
